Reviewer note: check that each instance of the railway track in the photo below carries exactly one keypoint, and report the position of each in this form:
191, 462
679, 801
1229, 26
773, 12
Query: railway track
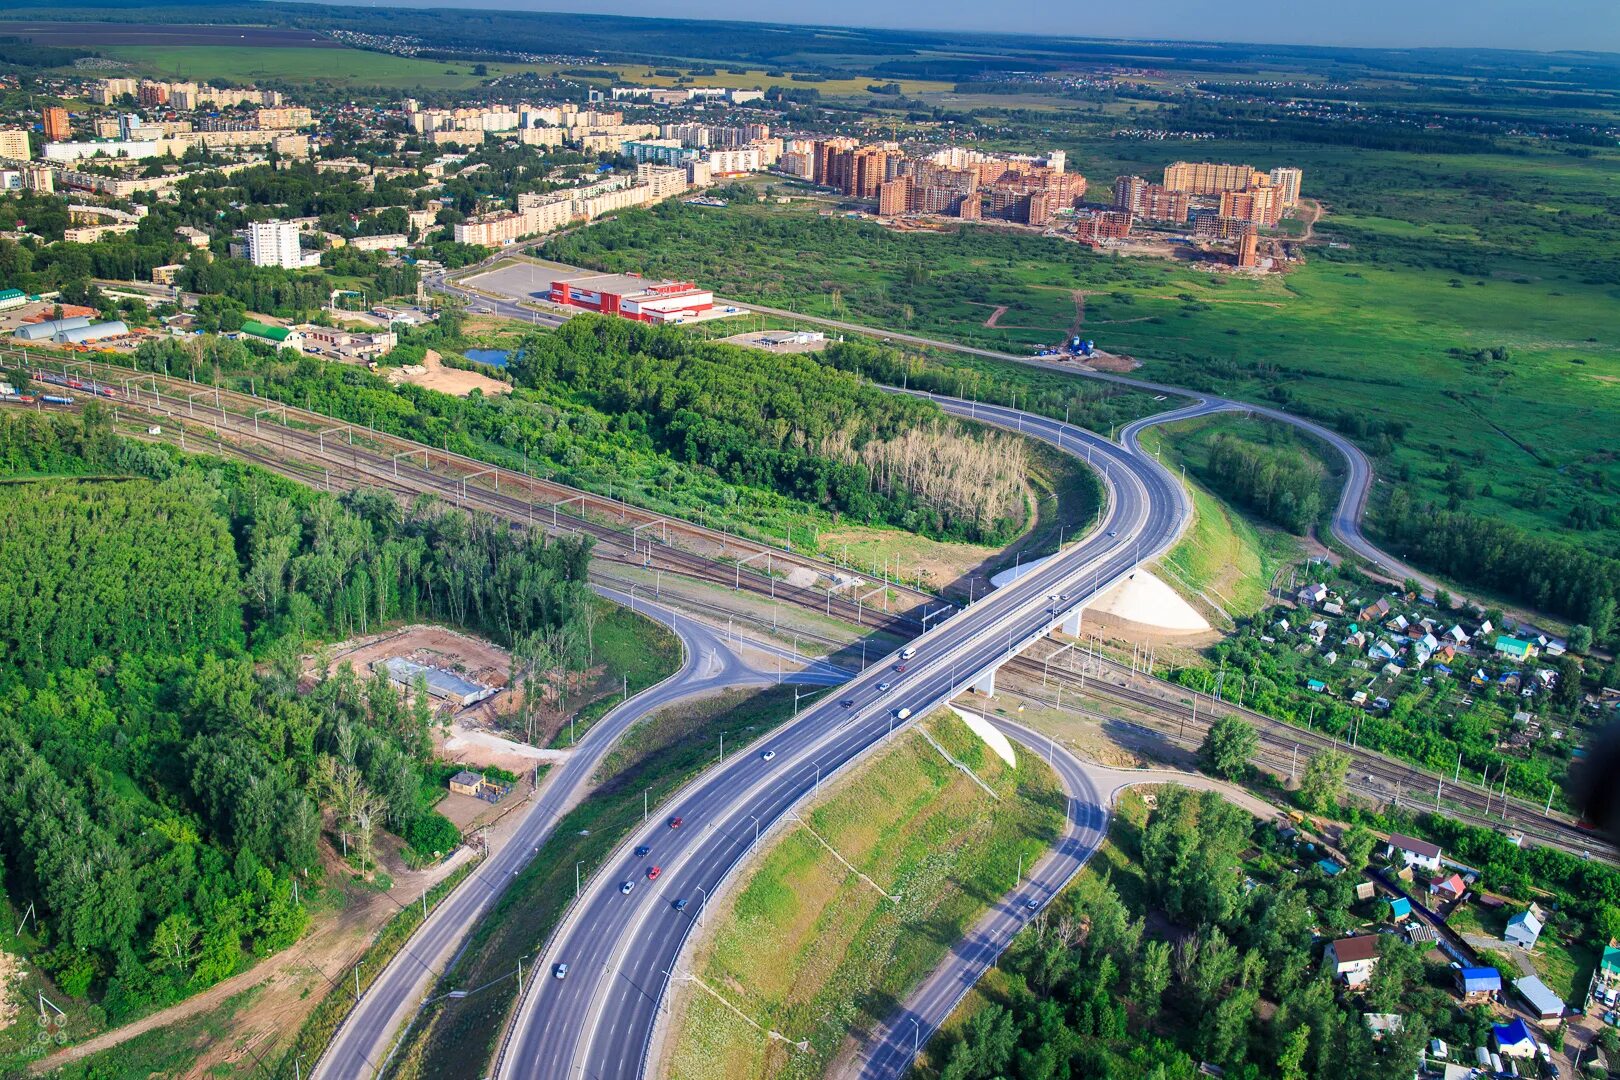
1183, 717
299, 448
473, 481
377, 459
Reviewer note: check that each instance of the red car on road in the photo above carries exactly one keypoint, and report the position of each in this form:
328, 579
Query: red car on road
674, 822
653, 872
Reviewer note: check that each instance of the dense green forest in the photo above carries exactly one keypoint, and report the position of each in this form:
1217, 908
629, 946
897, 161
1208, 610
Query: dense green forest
788, 423
698, 427
104, 568
1236, 982
1283, 486
166, 786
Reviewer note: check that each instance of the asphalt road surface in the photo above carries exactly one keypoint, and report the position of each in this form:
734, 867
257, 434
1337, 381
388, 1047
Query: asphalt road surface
368, 1031
620, 947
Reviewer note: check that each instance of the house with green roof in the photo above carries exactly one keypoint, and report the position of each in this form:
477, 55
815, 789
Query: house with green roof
1515, 648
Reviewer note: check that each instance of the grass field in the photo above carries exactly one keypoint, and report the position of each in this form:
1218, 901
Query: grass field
343, 67
164, 1051
809, 949
760, 78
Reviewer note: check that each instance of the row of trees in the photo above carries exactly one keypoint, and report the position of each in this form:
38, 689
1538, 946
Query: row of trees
787, 423
1544, 573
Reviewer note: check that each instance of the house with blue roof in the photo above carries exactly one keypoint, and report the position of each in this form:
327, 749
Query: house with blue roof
1400, 908
1514, 1039
1478, 984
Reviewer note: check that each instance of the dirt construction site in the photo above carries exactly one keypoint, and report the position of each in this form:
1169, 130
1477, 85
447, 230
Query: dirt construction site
467, 734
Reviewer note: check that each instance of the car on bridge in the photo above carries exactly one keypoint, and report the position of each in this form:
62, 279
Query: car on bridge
675, 823
653, 872
561, 971
626, 887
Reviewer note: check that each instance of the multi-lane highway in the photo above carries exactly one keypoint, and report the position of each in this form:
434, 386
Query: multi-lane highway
709, 664
620, 947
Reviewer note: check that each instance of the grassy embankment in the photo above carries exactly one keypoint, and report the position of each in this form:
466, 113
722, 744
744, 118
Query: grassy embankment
632, 653
454, 1039
1227, 559
809, 949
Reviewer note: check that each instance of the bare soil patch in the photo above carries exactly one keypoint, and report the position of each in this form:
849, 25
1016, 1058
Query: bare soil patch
1114, 362
478, 660
433, 375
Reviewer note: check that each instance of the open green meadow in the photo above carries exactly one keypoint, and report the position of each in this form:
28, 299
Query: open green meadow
815, 951
348, 67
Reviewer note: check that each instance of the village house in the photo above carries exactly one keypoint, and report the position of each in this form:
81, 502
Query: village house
1478, 984
1524, 928
1543, 1002
1514, 1040
1352, 959
1413, 852
1449, 888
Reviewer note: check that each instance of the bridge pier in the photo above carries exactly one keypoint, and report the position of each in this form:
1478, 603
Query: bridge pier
1071, 623
986, 683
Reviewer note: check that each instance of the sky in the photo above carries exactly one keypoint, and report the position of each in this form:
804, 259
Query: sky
1507, 24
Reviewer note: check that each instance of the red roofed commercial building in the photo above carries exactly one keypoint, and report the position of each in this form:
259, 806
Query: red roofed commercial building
632, 297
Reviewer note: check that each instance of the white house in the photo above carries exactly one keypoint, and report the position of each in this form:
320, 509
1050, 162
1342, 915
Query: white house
1524, 928
1413, 852
1352, 959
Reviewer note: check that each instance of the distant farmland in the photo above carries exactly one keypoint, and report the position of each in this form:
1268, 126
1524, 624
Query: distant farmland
92, 34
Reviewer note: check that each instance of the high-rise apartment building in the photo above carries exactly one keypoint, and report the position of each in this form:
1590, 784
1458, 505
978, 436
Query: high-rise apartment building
1287, 181
56, 124
274, 243
1128, 193
1257, 205
894, 196
1248, 252
1209, 178
14, 144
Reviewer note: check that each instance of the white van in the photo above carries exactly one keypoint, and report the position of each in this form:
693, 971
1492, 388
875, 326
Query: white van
902, 714
909, 652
